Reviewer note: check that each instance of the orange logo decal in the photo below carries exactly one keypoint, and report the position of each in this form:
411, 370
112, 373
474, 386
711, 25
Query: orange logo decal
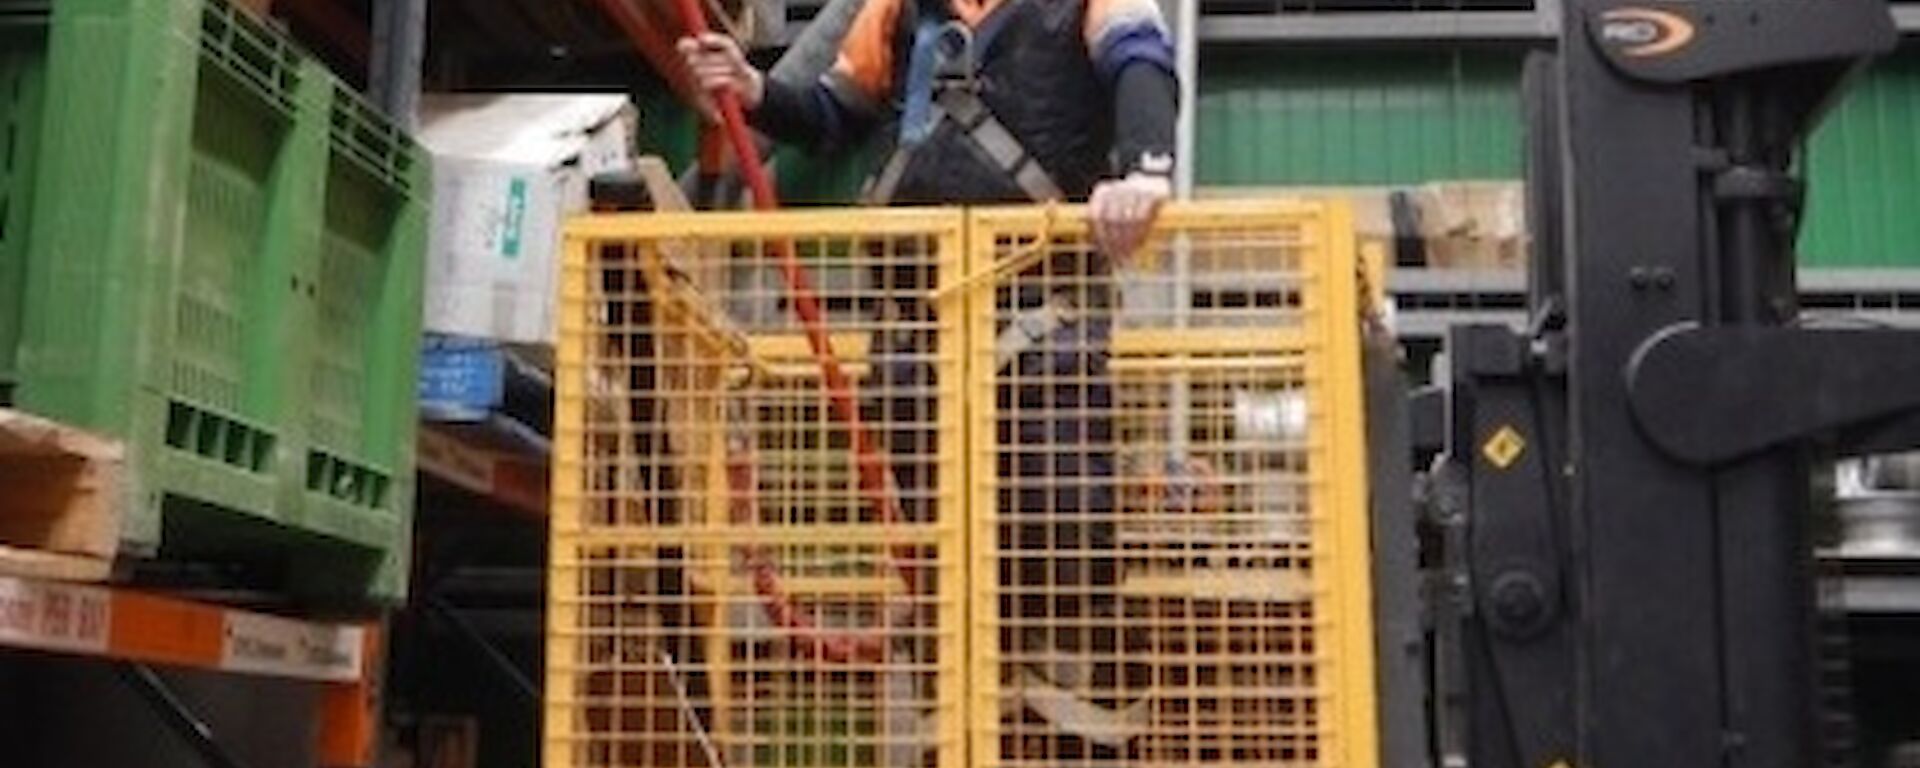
1644, 32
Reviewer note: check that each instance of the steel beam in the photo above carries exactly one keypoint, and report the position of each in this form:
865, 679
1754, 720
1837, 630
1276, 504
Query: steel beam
1384, 27
399, 45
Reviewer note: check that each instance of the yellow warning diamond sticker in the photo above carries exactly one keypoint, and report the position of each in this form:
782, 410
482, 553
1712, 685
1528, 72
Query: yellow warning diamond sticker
1504, 448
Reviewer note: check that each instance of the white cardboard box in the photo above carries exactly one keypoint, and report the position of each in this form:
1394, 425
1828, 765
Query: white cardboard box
508, 171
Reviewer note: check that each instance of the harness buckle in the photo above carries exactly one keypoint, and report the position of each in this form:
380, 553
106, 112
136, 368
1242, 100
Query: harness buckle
953, 58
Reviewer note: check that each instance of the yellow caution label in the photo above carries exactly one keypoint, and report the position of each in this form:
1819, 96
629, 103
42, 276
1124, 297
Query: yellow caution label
1504, 448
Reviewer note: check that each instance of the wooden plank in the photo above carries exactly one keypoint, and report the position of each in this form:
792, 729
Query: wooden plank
661, 186
53, 566
63, 486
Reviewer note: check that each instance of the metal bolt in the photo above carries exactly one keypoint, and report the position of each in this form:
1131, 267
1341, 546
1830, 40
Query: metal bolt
1783, 308
1520, 604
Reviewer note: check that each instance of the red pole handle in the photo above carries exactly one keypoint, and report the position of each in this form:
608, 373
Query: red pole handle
876, 480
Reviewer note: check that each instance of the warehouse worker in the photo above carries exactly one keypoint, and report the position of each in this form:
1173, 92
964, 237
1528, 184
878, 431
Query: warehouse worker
1003, 101
997, 100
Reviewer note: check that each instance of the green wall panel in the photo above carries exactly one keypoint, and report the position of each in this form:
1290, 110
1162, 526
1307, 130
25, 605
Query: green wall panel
1863, 207
1409, 117
667, 129
809, 178
1357, 118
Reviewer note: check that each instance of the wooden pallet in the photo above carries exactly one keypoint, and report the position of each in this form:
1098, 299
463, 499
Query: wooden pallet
59, 500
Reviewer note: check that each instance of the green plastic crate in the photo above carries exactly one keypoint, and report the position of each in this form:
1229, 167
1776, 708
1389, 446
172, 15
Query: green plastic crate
207, 279
359, 471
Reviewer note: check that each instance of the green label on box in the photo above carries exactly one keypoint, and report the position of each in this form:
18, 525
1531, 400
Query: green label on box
516, 217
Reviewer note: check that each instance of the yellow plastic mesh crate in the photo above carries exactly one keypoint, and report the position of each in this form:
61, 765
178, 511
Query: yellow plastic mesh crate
1107, 514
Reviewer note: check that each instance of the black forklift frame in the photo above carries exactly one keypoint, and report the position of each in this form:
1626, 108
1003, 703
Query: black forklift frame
1621, 512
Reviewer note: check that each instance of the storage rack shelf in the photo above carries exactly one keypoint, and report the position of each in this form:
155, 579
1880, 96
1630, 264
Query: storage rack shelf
139, 628
1429, 301
1879, 585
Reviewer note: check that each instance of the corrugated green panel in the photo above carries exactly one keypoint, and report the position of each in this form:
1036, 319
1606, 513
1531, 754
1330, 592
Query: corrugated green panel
808, 178
1404, 117
1275, 119
667, 129
1864, 174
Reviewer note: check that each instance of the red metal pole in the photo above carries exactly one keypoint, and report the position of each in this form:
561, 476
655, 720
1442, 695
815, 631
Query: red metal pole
876, 476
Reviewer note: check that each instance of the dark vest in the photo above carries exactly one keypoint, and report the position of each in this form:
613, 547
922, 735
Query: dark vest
1039, 81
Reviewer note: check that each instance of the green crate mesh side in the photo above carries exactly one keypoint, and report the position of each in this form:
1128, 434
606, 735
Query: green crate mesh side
349, 481
363, 136
234, 145
258, 59
353, 263
22, 77
362, 254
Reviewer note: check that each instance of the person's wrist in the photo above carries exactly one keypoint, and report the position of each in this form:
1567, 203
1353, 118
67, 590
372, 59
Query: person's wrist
1161, 183
1153, 165
753, 91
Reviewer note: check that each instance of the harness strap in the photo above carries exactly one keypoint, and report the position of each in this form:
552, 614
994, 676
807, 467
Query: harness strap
942, 85
965, 108
917, 119
1029, 327
979, 126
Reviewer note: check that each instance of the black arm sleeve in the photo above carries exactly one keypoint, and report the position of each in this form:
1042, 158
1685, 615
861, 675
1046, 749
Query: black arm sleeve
1145, 105
816, 117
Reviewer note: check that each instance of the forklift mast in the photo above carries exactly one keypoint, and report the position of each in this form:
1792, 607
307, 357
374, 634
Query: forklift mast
1621, 498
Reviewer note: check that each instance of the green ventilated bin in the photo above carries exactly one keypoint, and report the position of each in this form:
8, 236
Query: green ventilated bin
359, 473
179, 275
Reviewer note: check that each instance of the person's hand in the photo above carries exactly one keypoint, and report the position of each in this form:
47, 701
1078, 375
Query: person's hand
1123, 210
718, 64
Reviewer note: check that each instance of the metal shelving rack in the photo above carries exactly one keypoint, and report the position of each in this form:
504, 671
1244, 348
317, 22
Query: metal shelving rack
139, 630
1429, 301
1879, 586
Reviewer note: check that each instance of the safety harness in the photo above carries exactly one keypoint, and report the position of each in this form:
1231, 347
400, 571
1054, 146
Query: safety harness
943, 84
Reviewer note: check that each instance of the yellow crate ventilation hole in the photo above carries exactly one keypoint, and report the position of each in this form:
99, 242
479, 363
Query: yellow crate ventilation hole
1009, 503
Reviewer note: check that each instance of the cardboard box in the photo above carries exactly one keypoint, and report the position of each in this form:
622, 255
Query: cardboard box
1474, 224
508, 172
